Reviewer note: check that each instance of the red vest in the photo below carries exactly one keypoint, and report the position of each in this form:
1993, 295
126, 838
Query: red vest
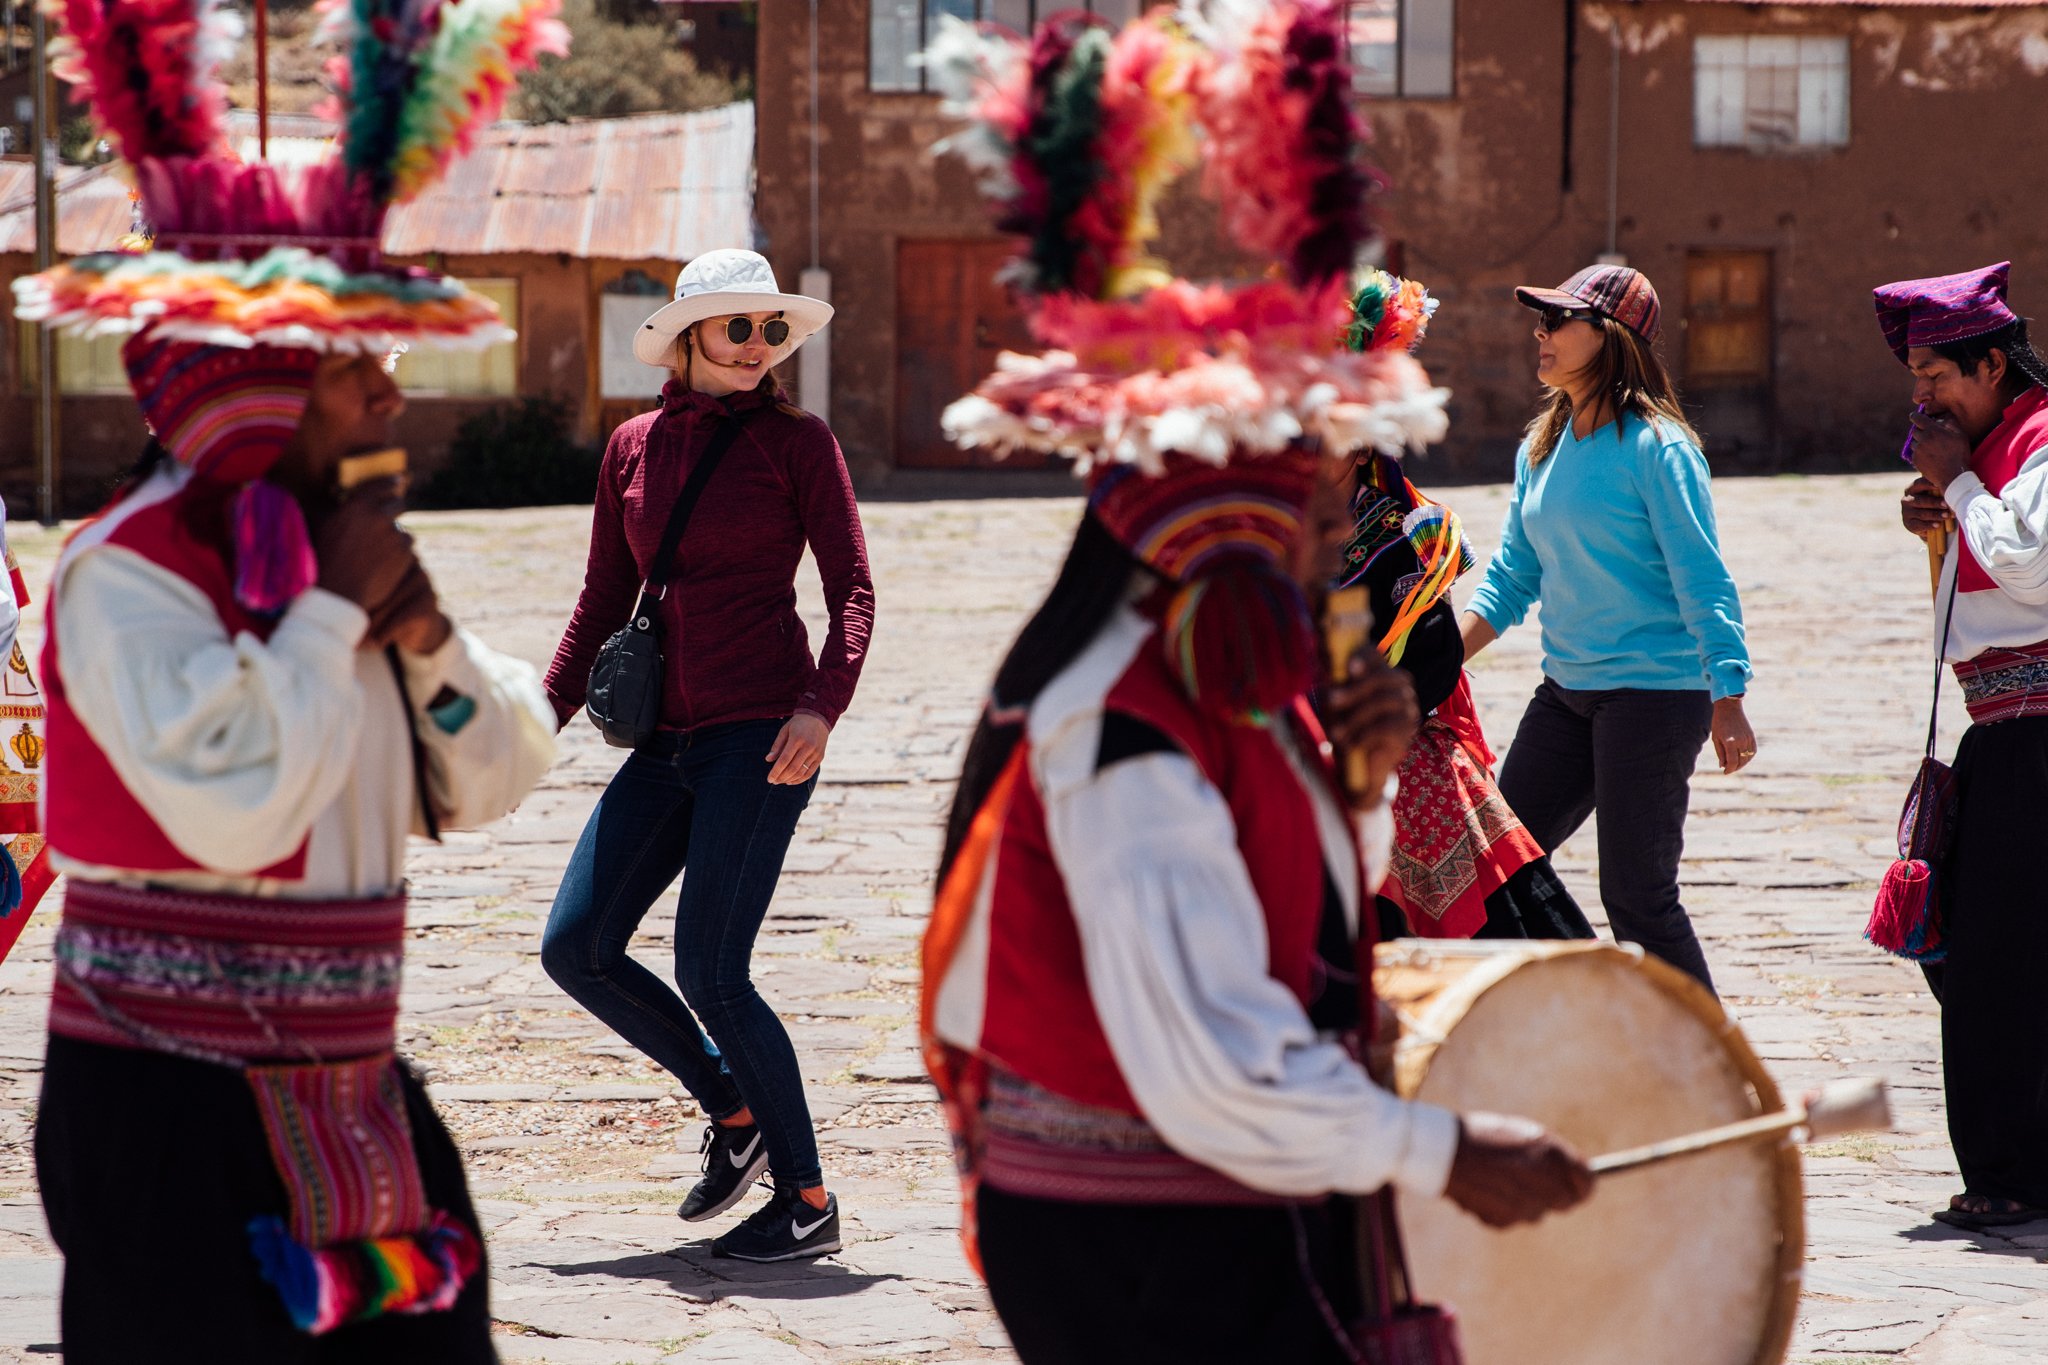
2020, 432
88, 813
1038, 1020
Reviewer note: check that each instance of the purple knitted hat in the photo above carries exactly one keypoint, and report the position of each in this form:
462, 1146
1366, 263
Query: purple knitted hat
1934, 312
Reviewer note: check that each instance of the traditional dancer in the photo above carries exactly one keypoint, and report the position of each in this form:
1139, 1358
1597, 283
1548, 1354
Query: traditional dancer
1463, 865
1644, 658
1980, 444
746, 714
254, 698
1150, 873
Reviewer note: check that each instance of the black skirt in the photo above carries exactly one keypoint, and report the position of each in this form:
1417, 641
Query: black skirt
1531, 903
1994, 1009
151, 1167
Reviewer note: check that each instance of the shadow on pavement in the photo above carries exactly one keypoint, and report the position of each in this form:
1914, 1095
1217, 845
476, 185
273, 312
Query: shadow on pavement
694, 1271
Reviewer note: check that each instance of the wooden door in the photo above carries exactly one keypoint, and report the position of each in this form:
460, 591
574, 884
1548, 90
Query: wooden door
952, 319
1728, 352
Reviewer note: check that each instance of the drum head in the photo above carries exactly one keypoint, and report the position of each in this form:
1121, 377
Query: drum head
1696, 1259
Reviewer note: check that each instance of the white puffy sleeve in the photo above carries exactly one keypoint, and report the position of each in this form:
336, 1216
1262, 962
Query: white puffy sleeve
233, 745
1221, 1057
486, 725
2008, 531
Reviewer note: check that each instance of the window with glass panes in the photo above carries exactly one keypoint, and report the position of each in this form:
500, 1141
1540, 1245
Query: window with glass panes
899, 29
1768, 92
490, 373
85, 365
1402, 49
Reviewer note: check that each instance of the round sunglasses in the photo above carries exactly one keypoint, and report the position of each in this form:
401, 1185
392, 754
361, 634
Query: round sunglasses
1551, 317
738, 329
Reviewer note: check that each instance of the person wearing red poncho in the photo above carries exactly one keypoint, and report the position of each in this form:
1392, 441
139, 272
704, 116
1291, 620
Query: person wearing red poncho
255, 698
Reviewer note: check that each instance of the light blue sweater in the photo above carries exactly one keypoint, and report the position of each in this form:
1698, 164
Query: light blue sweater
1615, 535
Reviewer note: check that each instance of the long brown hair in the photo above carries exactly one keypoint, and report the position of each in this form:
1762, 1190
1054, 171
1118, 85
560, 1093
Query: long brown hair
1632, 380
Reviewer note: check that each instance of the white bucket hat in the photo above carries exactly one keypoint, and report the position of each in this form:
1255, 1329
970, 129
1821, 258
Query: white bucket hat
723, 282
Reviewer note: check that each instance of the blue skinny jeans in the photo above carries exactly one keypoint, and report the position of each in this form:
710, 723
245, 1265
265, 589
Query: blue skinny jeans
697, 803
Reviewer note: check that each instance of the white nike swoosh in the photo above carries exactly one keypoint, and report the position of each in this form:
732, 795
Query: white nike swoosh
802, 1232
740, 1158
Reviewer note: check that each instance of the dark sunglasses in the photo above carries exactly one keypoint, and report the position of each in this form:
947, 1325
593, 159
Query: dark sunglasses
1551, 317
774, 331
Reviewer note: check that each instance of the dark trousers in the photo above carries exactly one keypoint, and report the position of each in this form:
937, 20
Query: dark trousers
1116, 1284
699, 800
151, 1167
1628, 752
1994, 1012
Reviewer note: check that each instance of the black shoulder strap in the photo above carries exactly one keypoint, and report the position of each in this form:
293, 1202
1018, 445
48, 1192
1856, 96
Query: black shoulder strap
663, 564
1941, 656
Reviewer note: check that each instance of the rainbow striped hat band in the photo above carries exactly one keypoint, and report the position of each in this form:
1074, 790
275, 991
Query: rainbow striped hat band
1185, 522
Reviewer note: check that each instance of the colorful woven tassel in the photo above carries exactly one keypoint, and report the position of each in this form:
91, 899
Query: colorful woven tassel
1906, 921
354, 1281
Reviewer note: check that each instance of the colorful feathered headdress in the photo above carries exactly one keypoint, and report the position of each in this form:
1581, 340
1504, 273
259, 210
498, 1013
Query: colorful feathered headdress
1074, 135
256, 254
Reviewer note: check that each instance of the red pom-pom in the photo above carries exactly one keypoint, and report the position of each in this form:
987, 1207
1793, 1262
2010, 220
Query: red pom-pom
1241, 642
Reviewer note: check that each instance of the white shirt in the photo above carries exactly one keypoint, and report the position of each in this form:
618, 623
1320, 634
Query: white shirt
241, 750
2008, 534
1221, 1058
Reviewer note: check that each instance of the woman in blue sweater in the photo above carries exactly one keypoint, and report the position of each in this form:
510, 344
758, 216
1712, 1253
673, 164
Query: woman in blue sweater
1612, 528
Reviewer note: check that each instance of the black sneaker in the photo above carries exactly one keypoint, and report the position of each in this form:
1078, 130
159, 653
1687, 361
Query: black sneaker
733, 1158
786, 1228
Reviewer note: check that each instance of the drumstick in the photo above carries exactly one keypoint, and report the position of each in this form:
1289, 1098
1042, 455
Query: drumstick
1839, 1107
1347, 625
1937, 551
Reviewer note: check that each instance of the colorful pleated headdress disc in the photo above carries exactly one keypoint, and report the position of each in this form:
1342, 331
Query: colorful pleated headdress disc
245, 274
1199, 411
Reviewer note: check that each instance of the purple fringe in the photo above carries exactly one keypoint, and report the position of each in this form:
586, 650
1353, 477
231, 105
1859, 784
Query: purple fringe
274, 560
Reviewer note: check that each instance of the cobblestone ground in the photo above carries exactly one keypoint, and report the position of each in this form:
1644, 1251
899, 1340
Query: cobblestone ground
579, 1151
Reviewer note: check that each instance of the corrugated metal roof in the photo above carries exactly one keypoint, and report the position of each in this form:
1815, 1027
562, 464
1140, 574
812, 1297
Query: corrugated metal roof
659, 186
652, 186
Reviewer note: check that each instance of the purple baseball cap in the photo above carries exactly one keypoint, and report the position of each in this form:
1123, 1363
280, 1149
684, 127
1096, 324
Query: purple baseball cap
1614, 290
1934, 312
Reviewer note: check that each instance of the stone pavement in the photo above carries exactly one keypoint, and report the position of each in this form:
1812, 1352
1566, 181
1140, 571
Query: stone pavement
579, 1151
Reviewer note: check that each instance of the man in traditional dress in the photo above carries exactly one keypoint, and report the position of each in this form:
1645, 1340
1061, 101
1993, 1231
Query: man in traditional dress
1980, 444
254, 698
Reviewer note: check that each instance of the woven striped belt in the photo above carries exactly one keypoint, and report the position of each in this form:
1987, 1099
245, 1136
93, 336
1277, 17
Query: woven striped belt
2005, 684
228, 979
1049, 1147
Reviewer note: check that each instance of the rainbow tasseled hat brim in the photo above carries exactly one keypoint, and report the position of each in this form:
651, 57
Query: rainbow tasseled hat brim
287, 297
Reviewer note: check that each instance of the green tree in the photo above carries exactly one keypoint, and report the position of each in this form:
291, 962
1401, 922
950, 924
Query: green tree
618, 67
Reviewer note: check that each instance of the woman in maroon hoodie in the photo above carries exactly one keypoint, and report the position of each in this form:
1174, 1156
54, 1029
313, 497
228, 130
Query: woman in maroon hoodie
746, 717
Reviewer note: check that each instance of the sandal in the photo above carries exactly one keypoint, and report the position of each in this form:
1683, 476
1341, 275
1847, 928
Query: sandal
1974, 1212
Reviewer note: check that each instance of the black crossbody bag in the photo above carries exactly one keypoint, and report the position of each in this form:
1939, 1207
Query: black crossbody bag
625, 683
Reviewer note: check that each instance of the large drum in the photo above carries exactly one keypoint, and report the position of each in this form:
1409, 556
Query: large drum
1694, 1261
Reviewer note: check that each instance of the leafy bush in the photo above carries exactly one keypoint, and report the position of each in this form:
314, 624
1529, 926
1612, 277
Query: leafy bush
514, 455
618, 66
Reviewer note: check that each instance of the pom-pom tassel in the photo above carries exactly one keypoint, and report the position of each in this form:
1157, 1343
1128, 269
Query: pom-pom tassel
1240, 641
355, 1281
1904, 922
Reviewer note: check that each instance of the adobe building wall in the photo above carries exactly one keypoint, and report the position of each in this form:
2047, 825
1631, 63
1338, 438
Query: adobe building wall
1499, 188
1507, 183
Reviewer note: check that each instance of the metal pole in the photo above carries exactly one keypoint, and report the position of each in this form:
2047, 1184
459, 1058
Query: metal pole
46, 256
1614, 138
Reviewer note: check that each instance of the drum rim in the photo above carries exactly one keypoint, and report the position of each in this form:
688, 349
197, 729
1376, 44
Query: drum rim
1411, 1064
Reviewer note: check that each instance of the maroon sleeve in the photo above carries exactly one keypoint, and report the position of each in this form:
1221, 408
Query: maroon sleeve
610, 580
831, 518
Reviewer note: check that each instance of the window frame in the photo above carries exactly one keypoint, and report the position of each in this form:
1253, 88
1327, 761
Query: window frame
1821, 68
512, 284
27, 363
1445, 13
983, 11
